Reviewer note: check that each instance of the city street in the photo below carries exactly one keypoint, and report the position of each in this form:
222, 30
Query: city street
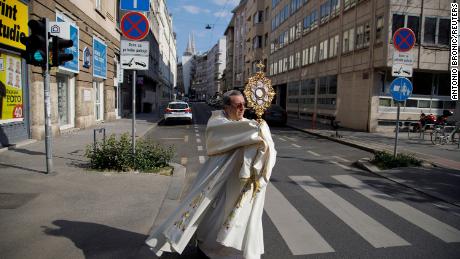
320, 206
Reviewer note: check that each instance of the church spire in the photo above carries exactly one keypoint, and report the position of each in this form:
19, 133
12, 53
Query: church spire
190, 50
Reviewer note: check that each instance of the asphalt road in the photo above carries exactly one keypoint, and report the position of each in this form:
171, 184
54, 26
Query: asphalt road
319, 206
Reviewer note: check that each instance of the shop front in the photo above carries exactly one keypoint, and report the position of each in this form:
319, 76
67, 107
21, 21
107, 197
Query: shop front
14, 126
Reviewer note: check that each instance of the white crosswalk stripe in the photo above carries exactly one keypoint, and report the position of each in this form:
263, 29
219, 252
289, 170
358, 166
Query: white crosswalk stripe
299, 235
431, 225
371, 230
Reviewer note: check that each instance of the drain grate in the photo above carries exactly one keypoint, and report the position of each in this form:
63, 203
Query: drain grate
15, 200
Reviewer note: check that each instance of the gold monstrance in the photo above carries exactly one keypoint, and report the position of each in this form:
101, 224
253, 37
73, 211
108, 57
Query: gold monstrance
259, 92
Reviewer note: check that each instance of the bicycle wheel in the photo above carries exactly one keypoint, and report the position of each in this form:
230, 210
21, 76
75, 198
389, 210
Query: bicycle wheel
435, 136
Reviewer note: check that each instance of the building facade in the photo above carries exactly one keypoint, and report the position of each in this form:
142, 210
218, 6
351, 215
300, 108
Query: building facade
84, 90
215, 68
333, 59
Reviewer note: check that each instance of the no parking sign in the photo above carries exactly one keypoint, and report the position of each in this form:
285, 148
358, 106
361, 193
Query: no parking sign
134, 25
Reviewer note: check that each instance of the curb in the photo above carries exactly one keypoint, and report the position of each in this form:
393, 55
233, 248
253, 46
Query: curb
362, 147
367, 166
172, 196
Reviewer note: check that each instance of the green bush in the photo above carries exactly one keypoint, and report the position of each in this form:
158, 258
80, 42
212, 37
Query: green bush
115, 154
385, 160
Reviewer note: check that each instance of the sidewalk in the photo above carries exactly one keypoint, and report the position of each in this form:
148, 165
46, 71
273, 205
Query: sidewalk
73, 212
440, 181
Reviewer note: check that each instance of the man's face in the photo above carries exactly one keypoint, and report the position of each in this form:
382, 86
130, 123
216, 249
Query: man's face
235, 110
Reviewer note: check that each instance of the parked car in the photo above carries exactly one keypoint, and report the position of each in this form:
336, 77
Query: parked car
274, 115
178, 111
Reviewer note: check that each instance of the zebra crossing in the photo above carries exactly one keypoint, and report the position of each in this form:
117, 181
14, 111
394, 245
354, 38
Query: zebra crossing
302, 238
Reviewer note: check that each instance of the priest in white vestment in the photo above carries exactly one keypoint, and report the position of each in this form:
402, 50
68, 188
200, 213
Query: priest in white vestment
225, 204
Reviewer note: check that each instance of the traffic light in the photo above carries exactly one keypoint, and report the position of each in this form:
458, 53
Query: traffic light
36, 43
58, 46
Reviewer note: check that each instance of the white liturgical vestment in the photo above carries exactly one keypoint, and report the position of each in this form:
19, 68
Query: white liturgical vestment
225, 204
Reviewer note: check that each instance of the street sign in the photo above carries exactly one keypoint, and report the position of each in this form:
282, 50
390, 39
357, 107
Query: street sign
135, 5
401, 89
136, 48
403, 39
405, 58
134, 55
60, 29
401, 70
134, 25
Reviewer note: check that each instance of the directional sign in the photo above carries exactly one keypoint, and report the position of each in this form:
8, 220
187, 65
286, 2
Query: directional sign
401, 70
401, 89
403, 39
134, 25
135, 5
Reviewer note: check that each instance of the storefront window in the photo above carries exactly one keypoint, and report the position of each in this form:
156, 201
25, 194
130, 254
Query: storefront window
63, 99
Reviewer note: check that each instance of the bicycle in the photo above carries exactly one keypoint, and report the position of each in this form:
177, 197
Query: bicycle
444, 134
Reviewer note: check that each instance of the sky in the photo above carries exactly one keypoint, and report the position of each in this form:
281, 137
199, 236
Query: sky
194, 15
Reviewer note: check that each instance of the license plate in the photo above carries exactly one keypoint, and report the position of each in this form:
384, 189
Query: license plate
179, 113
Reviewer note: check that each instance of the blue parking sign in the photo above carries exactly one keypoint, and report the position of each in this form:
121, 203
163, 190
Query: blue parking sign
401, 89
135, 5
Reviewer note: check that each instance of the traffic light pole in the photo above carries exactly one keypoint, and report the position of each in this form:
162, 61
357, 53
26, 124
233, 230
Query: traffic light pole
47, 99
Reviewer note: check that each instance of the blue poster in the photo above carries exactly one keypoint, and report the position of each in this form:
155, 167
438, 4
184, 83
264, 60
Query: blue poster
73, 65
99, 58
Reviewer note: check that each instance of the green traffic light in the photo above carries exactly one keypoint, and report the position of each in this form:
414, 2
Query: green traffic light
38, 56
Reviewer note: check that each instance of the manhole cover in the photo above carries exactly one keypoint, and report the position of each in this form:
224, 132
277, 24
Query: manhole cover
15, 200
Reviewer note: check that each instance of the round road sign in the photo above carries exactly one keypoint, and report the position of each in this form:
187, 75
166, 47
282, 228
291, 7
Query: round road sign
403, 39
401, 89
134, 25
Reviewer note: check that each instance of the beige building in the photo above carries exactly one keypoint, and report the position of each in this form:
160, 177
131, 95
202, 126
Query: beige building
83, 91
334, 59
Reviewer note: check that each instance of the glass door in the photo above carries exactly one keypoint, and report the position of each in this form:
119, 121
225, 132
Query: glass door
99, 105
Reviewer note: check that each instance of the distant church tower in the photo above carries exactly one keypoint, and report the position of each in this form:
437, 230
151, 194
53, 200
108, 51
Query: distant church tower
187, 63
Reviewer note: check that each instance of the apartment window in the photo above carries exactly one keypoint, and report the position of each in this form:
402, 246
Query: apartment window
333, 46
332, 83
280, 65
305, 57
348, 40
322, 85
323, 50
335, 7
379, 29
314, 19
367, 34
292, 34
271, 69
324, 11
413, 22
258, 17
298, 30
275, 68
312, 53
429, 35
291, 62
297, 59
266, 40
347, 4
285, 64
398, 22
359, 36
444, 29
257, 42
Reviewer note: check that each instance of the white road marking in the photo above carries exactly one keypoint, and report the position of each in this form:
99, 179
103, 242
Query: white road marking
202, 159
340, 165
282, 139
200, 148
197, 135
291, 139
295, 145
187, 126
371, 230
297, 232
183, 161
431, 225
186, 139
196, 131
313, 153
198, 140
341, 158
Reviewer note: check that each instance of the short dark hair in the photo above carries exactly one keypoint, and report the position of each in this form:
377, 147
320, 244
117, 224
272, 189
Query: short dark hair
226, 96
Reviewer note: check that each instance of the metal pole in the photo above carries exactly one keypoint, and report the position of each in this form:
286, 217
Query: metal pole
47, 99
133, 137
397, 130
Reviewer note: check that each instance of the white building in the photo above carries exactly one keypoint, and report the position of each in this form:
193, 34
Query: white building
167, 46
188, 64
216, 65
